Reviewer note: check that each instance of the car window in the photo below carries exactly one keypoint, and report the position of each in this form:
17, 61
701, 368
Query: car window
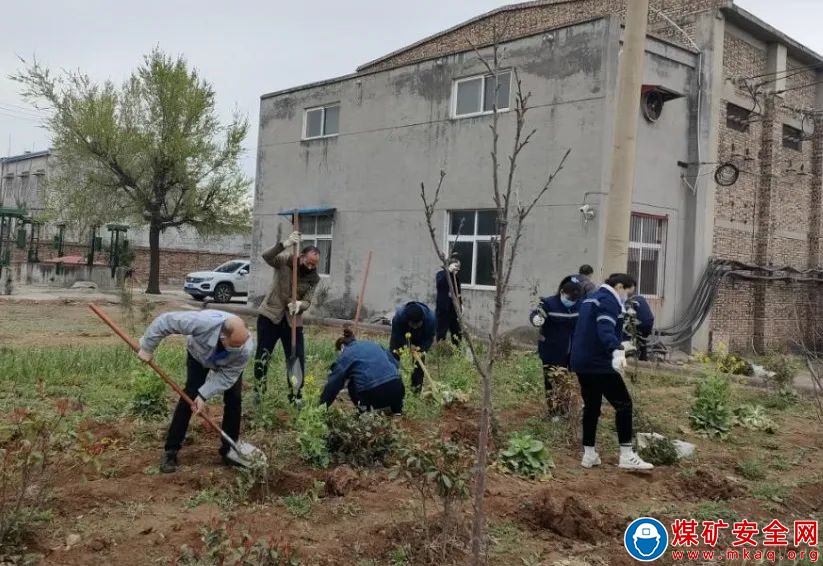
229, 267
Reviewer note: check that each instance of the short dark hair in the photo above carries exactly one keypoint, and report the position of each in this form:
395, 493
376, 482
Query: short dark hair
573, 289
414, 313
309, 249
624, 279
585, 269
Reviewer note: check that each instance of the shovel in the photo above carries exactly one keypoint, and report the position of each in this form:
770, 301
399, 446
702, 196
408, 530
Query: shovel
240, 452
294, 371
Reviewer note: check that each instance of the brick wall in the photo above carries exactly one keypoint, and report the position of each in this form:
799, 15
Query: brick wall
510, 24
771, 215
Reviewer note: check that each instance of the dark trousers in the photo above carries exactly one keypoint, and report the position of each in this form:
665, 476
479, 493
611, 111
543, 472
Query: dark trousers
448, 321
386, 395
595, 386
268, 333
417, 373
232, 408
643, 345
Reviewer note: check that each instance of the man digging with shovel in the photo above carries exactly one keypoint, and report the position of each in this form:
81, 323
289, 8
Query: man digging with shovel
219, 346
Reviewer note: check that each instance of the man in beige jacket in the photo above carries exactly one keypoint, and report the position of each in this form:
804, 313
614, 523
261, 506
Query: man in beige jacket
277, 311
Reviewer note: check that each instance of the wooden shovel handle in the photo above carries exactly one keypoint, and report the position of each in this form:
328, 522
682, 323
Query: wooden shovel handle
294, 286
362, 292
134, 346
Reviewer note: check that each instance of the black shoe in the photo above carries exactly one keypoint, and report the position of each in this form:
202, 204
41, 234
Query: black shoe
168, 464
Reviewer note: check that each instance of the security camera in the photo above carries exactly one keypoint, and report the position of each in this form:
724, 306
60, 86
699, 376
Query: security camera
588, 212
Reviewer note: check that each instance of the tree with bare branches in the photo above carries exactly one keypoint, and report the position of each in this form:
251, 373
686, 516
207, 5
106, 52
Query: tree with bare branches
512, 213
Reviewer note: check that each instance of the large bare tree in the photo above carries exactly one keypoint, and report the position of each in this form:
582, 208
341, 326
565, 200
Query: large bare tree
151, 151
512, 213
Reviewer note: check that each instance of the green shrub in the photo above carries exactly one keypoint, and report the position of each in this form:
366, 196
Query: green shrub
312, 432
711, 414
221, 547
725, 362
148, 398
784, 367
360, 439
751, 470
659, 451
525, 456
754, 417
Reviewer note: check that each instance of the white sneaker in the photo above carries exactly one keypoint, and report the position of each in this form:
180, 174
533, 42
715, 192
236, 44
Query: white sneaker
632, 461
590, 461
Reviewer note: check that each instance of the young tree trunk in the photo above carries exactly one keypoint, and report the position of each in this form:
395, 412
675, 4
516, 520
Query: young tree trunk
153, 287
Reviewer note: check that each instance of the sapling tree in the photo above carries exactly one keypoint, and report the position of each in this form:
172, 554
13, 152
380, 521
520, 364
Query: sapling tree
512, 213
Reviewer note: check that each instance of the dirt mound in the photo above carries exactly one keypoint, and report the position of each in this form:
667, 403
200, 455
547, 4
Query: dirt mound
808, 499
572, 518
341, 480
286, 482
460, 425
704, 485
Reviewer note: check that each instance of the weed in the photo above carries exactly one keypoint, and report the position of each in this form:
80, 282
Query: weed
782, 398
754, 417
751, 470
360, 439
784, 366
222, 547
400, 555
312, 434
710, 414
714, 510
148, 394
525, 456
298, 504
770, 491
725, 362
210, 495
659, 451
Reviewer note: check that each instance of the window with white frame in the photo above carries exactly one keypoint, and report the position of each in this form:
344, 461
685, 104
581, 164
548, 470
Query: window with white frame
317, 231
474, 96
647, 249
472, 235
321, 122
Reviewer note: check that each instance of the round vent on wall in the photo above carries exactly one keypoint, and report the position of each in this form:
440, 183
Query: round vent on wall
652, 105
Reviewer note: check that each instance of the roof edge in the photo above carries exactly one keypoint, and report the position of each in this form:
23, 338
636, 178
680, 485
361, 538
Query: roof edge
496, 11
737, 15
24, 156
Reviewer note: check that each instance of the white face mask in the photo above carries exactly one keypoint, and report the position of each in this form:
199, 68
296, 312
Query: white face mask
231, 349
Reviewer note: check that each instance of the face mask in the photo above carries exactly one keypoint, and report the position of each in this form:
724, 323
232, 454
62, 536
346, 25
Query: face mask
303, 270
231, 349
454, 267
568, 303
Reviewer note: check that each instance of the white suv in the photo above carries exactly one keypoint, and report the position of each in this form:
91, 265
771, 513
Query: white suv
228, 280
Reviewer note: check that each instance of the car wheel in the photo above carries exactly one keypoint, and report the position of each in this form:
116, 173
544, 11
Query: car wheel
222, 293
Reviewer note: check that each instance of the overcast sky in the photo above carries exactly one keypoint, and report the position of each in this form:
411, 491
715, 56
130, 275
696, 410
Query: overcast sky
246, 48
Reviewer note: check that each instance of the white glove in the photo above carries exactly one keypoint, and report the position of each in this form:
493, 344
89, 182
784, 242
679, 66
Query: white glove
296, 308
619, 363
538, 320
144, 356
292, 240
629, 347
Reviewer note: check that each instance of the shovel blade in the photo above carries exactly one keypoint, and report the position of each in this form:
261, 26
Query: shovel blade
294, 372
246, 455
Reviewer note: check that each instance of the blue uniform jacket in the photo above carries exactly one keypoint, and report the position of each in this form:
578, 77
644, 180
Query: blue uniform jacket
366, 364
444, 301
422, 337
598, 333
645, 316
555, 343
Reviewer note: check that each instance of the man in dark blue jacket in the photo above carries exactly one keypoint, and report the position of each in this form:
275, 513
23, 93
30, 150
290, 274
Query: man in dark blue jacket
599, 360
640, 315
417, 320
447, 316
372, 374
556, 316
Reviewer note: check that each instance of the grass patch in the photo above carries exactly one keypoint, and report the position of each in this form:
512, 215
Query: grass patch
770, 492
298, 504
714, 510
752, 470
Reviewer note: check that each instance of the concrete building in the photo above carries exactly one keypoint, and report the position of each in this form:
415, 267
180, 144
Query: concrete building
23, 181
356, 149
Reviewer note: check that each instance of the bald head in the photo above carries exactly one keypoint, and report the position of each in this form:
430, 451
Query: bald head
235, 333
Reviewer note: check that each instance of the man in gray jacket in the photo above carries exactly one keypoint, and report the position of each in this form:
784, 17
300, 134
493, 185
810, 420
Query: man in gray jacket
219, 346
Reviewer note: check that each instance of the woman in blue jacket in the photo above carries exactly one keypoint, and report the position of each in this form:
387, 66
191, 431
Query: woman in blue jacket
556, 316
372, 373
599, 360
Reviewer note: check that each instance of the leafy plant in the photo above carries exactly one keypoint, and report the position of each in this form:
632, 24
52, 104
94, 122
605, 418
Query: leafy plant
754, 417
751, 469
34, 443
782, 398
659, 451
725, 362
711, 414
148, 395
312, 433
222, 547
784, 366
360, 439
298, 504
525, 456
